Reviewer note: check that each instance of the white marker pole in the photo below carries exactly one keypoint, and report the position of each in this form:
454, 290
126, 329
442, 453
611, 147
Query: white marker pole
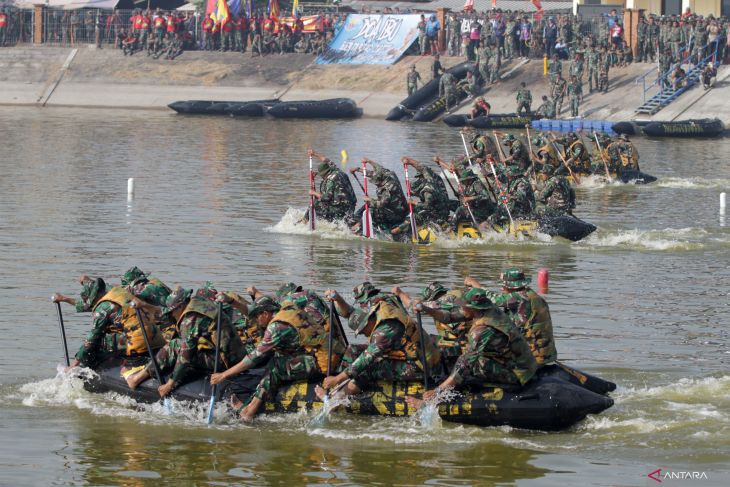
722, 203
130, 188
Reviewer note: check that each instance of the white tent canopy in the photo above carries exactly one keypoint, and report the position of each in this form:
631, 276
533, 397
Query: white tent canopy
70, 4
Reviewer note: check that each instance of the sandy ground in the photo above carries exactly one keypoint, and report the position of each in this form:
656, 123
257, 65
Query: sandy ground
106, 78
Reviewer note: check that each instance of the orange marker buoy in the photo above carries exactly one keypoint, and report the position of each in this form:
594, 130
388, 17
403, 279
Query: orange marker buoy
543, 278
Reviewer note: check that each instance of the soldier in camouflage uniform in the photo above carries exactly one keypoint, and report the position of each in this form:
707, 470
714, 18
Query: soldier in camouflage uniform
577, 154
593, 62
412, 79
528, 311
547, 109
555, 69
557, 91
294, 348
389, 208
90, 288
115, 329
521, 201
518, 153
476, 195
575, 93
436, 68
422, 42
451, 336
193, 353
557, 196
642, 30
496, 351
603, 67
447, 90
524, 99
484, 55
250, 328
454, 35
433, 205
336, 199
652, 40
665, 65
393, 349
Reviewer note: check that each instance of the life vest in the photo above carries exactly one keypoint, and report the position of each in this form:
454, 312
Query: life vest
409, 347
129, 323
3, 21
516, 354
312, 336
207, 308
445, 330
538, 330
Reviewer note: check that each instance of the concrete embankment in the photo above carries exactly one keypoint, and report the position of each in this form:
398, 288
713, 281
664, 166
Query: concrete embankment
86, 77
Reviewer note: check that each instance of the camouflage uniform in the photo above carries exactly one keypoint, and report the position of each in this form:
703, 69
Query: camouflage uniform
575, 93
447, 89
652, 40
412, 79
337, 201
593, 62
193, 353
604, 66
555, 67
390, 207
434, 206
558, 93
422, 43
452, 336
289, 350
495, 352
578, 157
558, 196
524, 100
482, 207
521, 202
576, 68
547, 109
520, 155
641, 36
392, 353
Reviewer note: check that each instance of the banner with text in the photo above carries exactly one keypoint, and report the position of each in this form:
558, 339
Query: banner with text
371, 39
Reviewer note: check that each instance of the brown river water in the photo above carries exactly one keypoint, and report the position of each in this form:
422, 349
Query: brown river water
643, 302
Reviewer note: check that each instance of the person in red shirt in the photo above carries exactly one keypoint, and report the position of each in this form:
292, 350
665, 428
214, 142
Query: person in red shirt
160, 24
228, 29
171, 26
208, 40
144, 29
241, 33
3, 27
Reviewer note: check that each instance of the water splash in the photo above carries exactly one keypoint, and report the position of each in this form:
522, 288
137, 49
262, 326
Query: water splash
693, 183
665, 240
329, 404
293, 223
428, 414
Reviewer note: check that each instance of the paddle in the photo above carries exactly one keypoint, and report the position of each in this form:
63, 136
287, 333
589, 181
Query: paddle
411, 217
214, 390
330, 337
312, 215
502, 196
562, 158
63, 332
367, 219
600, 151
424, 360
484, 179
532, 160
155, 366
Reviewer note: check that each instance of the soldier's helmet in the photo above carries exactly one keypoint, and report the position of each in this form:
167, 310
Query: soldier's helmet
363, 292
178, 297
508, 138
476, 298
286, 289
132, 275
467, 175
92, 289
433, 291
623, 137
514, 278
264, 303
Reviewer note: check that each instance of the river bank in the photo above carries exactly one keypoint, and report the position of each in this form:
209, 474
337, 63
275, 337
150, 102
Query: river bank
104, 78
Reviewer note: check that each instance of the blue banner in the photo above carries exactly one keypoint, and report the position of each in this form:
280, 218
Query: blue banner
371, 39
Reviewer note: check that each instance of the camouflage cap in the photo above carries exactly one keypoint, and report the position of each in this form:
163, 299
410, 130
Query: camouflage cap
92, 289
178, 297
207, 292
325, 167
132, 274
476, 298
508, 138
286, 289
264, 303
433, 291
623, 137
467, 174
364, 292
514, 278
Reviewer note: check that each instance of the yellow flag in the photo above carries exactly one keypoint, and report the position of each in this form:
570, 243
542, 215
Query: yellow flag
343, 153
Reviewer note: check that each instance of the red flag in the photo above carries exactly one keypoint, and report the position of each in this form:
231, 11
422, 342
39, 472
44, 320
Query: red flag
494, 3
540, 12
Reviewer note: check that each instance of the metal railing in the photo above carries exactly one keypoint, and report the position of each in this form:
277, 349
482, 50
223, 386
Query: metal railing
19, 28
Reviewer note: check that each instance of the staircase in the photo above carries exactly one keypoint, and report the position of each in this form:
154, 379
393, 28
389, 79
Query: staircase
666, 94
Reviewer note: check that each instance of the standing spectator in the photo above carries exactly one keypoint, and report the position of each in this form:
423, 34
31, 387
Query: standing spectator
525, 37
3, 27
475, 32
432, 32
422, 42
550, 37
713, 34
617, 32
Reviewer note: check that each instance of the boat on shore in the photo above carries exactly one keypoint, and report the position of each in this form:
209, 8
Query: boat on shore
553, 400
334, 108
